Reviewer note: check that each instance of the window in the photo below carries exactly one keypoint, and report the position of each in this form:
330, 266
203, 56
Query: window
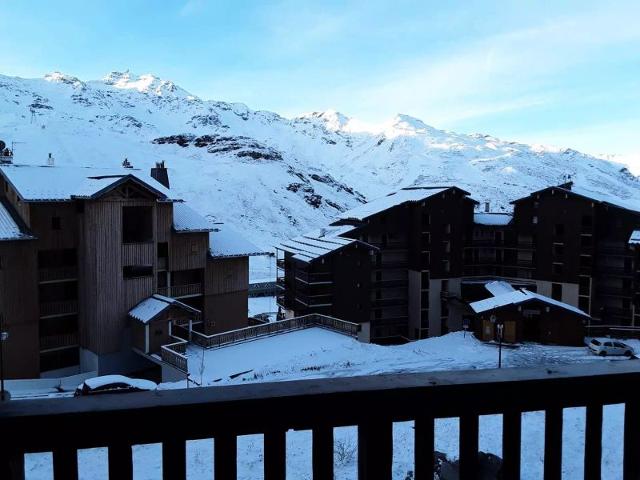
534, 219
424, 300
163, 249
559, 229
556, 291
137, 271
53, 360
445, 265
137, 224
425, 280
426, 258
585, 260
587, 220
55, 223
557, 268
445, 285
558, 249
447, 228
586, 240
0, 263
583, 304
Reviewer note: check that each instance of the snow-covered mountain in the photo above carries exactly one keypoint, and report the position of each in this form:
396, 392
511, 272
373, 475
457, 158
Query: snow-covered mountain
270, 176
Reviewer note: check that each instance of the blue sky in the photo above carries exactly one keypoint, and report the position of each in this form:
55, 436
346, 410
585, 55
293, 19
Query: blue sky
563, 73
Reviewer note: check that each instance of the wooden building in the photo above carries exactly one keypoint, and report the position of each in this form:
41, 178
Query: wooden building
436, 252
81, 247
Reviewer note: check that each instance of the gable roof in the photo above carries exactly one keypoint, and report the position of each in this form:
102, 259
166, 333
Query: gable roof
517, 297
35, 183
602, 198
150, 308
11, 226
225, 242
186, 219
319, 243
401, 197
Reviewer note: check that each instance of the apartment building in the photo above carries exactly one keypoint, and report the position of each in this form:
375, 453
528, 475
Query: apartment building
81, 247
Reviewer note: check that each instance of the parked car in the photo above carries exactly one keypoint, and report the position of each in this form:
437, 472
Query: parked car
607, 346
114, 384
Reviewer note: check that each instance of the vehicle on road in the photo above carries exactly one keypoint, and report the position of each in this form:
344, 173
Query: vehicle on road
607, 346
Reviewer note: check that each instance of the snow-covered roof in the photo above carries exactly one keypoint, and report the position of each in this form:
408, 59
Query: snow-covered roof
151, 307
606, 198
224, 241
35, 183
487, 218
498, 287
186, 219
10, 228
516, 297
319, 243
634, 239
406, 195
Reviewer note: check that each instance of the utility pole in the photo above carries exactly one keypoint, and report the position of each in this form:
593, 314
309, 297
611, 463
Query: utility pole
3, 336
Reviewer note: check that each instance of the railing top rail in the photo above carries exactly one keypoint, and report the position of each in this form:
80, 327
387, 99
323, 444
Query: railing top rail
304, 404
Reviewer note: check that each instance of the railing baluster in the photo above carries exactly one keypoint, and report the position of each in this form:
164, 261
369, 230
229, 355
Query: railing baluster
174, 459
511, 444
322, 453
375, 449
275, 455
11, 464
65, 464
120, 462
225, 457
553, 444
593, 443
468, 446
631, 461
424, 447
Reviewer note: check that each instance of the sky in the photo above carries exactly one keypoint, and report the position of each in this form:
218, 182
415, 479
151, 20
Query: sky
564, 73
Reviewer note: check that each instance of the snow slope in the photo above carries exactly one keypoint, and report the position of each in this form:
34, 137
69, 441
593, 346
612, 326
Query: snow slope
268, 176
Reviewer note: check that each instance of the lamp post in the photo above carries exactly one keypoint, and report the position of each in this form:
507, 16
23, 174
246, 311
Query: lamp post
500, 328
3, 336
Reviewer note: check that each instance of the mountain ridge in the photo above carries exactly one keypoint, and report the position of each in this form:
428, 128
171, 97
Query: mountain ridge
271, 176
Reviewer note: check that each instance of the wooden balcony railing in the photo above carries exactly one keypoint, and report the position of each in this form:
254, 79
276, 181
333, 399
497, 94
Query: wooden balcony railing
298, 323
372, 404
178, 291
57, 274
60, 307
174, 354
50, 342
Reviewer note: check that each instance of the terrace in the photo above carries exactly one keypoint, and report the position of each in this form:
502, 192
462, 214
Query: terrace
319, 406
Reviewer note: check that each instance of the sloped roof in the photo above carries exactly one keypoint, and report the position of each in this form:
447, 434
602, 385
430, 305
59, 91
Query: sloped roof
36, 183
153, 306
498, 287
604, 198
11, 227
224, 241
517, 297
492, 219
186, 219
319, 243
405, 195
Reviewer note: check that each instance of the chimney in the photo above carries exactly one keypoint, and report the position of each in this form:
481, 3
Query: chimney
486, 207
50, 161
161, 174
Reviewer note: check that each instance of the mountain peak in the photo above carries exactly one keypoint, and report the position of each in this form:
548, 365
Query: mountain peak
332, 119
408, 123
59, 77
147, 83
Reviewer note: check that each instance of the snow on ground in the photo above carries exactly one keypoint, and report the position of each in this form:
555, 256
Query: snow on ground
262, 305
320, 353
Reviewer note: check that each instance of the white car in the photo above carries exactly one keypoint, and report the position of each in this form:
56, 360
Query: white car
608, 346
114, 384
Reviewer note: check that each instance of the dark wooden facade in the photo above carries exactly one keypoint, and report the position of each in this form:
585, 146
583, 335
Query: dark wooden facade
66, 294
433, 260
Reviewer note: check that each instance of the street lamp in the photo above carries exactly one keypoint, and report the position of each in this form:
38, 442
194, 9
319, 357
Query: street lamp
3, 336
500, 328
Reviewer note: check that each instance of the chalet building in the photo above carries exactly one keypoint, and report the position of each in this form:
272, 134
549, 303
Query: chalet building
81, 248
431, 253
394, 263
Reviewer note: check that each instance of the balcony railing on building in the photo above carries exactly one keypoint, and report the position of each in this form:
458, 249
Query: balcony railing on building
52, 342
57, 274
181, 291
60, 307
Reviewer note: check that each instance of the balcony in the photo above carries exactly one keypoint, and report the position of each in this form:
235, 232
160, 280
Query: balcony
181, 291
314, 278
58, 274
321, 405
389, 302
60, 307
314, 300
52, 342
